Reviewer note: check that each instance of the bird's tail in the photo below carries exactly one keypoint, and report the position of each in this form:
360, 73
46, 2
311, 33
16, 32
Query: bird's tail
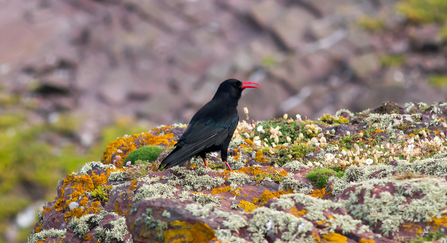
178, 156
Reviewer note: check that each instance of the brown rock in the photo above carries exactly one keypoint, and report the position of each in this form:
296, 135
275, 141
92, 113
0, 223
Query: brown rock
365, 65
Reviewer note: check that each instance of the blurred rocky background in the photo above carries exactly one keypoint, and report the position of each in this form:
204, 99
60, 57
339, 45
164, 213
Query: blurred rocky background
76, 74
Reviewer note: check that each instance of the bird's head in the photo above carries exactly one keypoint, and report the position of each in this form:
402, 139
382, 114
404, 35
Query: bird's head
232, 89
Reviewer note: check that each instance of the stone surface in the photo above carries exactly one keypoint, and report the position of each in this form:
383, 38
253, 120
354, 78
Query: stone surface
270, 196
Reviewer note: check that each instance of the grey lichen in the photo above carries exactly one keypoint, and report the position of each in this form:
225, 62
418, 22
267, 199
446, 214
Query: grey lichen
166, 214
290, 183
199, 210
339, 112
235, 222
80, 226
44, 234
395, 209
194, 179
204, 199
294, 165
117, 176
184, 195
87, 167
236, 164
266, 220
238, 179
157, 190
118, 231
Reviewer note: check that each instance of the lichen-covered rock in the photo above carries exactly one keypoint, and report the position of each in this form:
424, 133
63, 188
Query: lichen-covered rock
389, 185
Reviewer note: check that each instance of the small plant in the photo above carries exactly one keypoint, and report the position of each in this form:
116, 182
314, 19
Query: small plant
146, 153
320, 176
392, 60
102, 194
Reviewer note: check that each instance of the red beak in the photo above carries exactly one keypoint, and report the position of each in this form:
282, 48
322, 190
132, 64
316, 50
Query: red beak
244, 85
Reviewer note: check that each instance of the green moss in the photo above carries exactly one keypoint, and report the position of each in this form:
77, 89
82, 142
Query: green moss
327, 118
268, 61
438, 80
146, 153
424, 11
340, 174
66, 124
320, 176
392, 60
10, 120
371, 24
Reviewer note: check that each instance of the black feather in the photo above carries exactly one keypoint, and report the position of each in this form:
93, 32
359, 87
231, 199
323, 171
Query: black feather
211, 128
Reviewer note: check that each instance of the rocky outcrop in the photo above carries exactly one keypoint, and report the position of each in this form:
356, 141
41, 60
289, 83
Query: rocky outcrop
388, 185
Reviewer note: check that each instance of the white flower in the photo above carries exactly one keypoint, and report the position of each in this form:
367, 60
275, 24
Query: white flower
369, 161
258, 142
298, 117
329, 157
300, 227
260, 129
269, 224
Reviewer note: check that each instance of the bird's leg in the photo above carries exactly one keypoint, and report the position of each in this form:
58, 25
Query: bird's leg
229, 168
204, 161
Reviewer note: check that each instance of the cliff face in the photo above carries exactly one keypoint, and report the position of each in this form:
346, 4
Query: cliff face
374, 176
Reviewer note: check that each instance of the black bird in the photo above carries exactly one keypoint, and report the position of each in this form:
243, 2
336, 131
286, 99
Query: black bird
212, 127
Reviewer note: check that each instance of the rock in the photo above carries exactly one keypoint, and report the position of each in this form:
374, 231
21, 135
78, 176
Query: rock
266, 13
381, 198
425, 37
290, 27
365, 65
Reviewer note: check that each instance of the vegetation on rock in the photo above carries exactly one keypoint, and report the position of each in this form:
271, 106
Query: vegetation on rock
365, 175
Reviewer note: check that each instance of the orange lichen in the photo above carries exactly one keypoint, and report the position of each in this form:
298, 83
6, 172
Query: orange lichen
38, 228
219, 190
249, 142
260, 157
88, 237
319, 193
334, 238
131, 143
412, 226
80, 184
267, 195
248, 170
236, 191
199, 232
133, 185
438, 222
117, 208
366, 240
236, 154
294, 211
247, 206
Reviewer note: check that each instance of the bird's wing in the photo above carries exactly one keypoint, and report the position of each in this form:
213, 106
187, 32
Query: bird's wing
202, 133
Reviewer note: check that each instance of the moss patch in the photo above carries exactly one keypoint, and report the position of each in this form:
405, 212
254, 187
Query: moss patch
146, 153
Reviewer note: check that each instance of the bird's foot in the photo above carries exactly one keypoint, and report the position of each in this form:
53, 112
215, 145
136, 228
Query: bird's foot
204, 161
229, 168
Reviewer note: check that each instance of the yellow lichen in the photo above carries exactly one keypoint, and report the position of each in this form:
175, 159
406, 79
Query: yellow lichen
294, 211
131, 143
199, 232
267, 195
366, 240
334, 238
247, 206
319, 193
219, 190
